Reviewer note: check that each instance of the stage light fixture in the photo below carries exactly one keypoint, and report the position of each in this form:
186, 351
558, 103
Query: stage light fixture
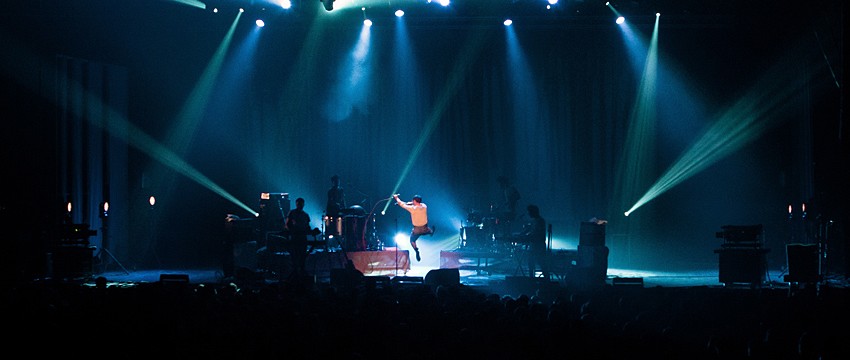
104, 209
329, 4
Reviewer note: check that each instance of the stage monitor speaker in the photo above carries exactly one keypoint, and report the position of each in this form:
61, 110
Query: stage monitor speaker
445, 277
346, 278
174, 281
802, 263
591, 234
377, 281
627, 281
174, 278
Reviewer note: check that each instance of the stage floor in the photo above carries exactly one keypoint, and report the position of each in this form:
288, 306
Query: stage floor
702, 278
474, 269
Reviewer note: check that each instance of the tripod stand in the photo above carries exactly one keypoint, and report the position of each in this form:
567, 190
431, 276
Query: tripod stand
104, 264
104, 249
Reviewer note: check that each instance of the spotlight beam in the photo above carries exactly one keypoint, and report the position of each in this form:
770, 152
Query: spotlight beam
190, 115
193, 3
118, 126
760, 109
611, 6
636, 164
447, 95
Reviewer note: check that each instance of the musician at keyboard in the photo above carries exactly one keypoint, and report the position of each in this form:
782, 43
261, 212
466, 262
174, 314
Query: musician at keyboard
534, 236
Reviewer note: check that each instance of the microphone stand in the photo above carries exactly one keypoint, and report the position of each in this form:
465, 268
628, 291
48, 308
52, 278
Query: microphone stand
396, 248
369, 218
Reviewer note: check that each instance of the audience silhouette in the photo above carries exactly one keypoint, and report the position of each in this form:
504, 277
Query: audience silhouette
283, 319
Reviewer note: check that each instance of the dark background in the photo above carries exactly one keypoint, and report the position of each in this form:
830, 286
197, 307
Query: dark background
267, 127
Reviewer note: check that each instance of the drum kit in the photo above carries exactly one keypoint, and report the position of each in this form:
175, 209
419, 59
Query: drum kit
490, 233
349, 231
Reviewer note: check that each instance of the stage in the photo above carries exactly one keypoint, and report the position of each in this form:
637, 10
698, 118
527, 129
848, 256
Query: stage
706, 278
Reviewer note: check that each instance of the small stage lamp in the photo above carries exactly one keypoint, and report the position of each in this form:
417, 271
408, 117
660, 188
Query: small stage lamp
104, 209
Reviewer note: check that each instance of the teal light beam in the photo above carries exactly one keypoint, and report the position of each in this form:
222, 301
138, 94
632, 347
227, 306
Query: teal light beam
639, 148
760, 109
611, 6
22, 70
193, 109
179, 138
446, 96
193, 3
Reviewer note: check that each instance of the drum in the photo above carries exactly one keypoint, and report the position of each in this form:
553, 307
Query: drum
353, 231
490, 224
355, 210
476, 238
333, 226
474, 218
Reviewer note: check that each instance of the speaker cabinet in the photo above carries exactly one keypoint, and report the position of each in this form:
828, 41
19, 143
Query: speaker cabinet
742, 266
592, 257
591, 234
445, 277
72, 262
802, 263
245, 255
346, 278
591, 268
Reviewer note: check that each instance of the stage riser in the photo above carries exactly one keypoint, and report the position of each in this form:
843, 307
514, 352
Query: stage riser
321, 263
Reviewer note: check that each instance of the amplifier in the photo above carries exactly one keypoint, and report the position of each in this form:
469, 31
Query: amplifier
591, 234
